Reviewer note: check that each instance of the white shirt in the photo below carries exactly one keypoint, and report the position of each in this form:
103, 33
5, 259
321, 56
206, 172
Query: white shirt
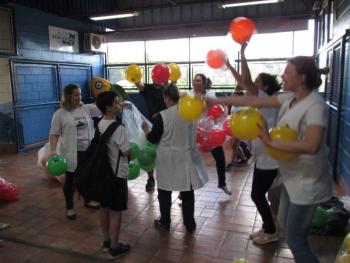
119, 141
263, 160
307, 178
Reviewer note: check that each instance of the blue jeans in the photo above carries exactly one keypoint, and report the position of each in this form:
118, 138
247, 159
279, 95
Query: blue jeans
295, 220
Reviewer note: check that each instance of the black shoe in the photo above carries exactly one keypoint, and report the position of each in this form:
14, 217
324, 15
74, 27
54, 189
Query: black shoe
106, 245
71, 217
229, 167
191, 228
159, 225
121, 250
150, 184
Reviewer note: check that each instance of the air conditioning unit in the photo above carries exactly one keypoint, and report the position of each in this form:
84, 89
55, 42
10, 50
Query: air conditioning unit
93, 42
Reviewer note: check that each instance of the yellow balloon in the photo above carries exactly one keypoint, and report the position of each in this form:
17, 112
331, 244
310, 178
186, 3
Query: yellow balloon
100, 85
175, 72
343, 258
281, 133
244, 123
133, 73
191, 108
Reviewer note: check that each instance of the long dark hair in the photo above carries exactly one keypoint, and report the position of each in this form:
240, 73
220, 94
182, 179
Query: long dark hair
270, 82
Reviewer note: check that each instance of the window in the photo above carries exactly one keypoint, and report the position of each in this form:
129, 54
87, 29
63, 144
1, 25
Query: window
172, 50
126, 52
116, 75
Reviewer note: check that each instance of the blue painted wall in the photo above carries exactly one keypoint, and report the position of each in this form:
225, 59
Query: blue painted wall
39, 75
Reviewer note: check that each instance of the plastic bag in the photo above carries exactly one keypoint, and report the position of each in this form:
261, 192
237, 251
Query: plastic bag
43, 156
337, 217
132, 120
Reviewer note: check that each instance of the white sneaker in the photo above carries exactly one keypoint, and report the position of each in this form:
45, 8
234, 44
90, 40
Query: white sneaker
265, 238
225, 189
256, 233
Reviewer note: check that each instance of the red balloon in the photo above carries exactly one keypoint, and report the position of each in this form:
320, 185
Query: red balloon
227, 126
216, 137
10, 192
242, 29
160, 73
216, 58
216, 111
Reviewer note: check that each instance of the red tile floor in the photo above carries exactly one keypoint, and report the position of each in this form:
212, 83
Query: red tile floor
40, 232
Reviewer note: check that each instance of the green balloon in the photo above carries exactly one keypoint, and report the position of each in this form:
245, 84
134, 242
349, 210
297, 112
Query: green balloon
146, 156
56, 165
148, 167
134, 150
319, 218
151, 145
134, 171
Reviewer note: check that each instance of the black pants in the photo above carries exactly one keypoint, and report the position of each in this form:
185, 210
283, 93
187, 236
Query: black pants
262, 181
187, 197
219, 156
68, 186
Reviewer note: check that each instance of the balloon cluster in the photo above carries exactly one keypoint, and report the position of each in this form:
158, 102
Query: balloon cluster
161, 73
214, 129
8, 191
143, 156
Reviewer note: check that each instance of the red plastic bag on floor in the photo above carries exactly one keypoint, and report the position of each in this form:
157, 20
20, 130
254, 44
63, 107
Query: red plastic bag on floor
8, 191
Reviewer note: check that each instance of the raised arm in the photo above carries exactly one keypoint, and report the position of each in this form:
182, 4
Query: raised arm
140, 86
249, 87
246, 76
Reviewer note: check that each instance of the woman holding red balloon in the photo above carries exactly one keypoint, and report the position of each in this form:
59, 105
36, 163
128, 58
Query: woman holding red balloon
266, 167
306, 179
201, 85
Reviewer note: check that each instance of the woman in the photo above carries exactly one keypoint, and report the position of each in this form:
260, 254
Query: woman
201, 86
306, 179
72, 127
266, 168
179, 165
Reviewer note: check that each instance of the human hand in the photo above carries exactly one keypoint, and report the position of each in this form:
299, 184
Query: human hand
243, 47
145, 127
264, 132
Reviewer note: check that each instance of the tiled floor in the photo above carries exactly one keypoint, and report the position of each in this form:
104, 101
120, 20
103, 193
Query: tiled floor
40, 232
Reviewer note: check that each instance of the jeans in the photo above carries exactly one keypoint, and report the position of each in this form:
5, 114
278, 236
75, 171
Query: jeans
296, 220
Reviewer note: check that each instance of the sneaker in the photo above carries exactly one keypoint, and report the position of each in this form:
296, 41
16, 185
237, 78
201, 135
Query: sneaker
106, 245
265, 238
225, 189
150, 184
256, 234
229, 167
159, 225
121, 250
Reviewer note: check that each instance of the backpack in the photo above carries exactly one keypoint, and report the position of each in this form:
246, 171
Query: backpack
94, 175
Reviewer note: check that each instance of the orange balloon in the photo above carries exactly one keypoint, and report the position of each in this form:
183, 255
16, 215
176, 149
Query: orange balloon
242, 29
216, 58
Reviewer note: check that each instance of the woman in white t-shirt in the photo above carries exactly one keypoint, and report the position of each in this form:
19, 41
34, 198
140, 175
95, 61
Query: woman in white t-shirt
307, 180
72, 128
266, 167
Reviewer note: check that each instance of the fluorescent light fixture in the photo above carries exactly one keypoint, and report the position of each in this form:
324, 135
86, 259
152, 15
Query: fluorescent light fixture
109, 30
246, 3
114, 16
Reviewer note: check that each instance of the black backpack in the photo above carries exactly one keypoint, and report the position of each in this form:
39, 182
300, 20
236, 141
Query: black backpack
94, 175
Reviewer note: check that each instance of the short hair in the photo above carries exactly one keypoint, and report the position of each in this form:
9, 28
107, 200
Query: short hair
172, 92
307, 66
66, 98
105, 99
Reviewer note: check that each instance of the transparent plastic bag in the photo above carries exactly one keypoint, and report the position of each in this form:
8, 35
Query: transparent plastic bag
43, 156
